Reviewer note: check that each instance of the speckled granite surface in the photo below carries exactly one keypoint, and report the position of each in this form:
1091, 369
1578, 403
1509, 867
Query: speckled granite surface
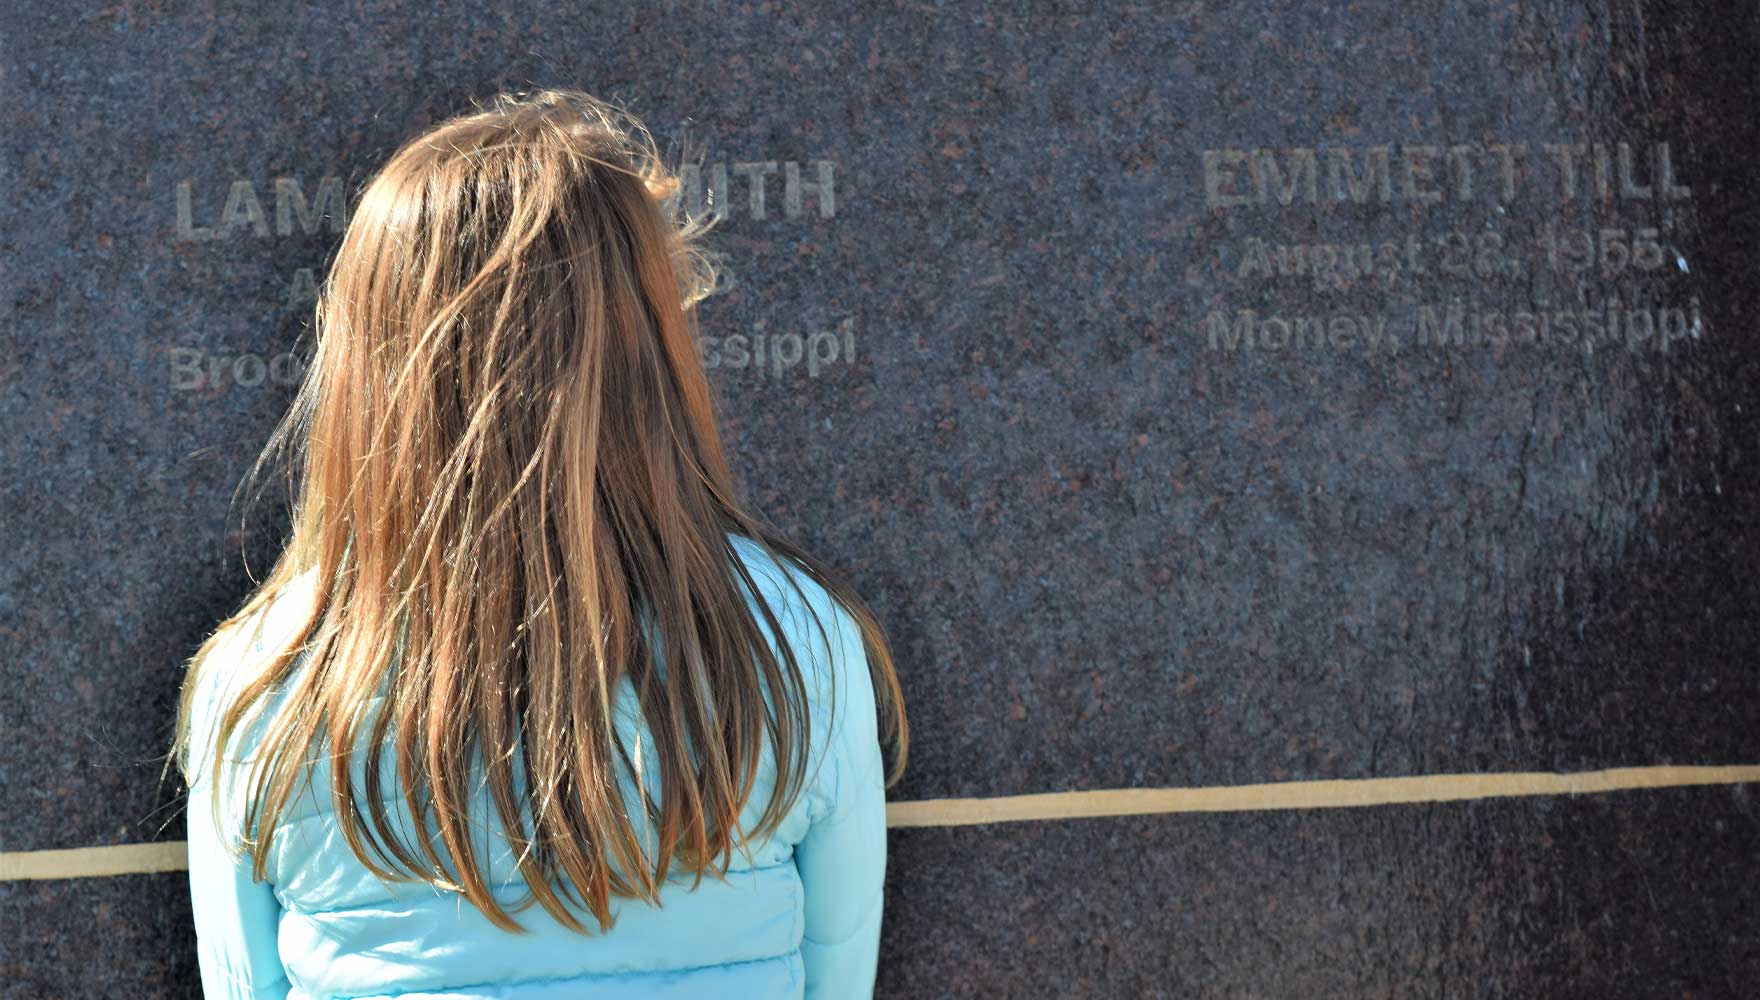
1122, 536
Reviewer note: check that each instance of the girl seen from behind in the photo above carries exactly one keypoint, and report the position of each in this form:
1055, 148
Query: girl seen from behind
532, 705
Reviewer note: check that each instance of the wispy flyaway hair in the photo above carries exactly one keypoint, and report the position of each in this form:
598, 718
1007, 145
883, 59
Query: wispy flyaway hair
511, 495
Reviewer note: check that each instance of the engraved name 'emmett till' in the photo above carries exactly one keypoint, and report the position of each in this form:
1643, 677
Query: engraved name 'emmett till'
1287, 175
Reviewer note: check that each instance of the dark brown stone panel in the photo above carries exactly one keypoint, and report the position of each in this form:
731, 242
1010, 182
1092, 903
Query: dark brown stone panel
1602, 896
1116, 546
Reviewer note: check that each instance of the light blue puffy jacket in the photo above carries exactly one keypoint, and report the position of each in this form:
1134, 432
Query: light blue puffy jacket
799, 918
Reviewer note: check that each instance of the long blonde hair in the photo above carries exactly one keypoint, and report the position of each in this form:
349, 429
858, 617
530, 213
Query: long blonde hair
511, 489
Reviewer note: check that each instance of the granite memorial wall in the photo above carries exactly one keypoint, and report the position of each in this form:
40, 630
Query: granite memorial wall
1206, 395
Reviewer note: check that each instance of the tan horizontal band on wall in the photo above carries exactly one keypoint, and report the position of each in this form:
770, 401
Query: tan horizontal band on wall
1334, 794
171, 855
90, 862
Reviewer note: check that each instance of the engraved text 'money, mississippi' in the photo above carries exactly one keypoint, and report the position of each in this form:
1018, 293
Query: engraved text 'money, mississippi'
1320, 175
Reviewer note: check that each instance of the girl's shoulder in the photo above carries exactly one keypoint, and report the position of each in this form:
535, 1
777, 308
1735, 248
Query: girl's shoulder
816, 624
828, 645
243, 651
268, 630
